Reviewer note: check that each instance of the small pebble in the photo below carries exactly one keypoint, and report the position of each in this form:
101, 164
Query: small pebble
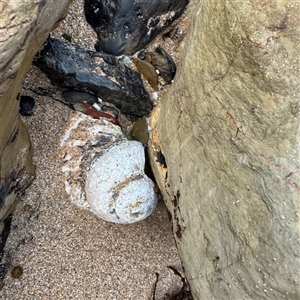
67, 37
163, 64
148, 71
139, 131
156, 189
17, 272
26, 105
27, 207
142, 55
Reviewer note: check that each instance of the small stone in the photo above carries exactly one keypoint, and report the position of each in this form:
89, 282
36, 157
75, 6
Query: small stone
139, 131
27, 207
27, 104
142, 55
148, 71
162, 62
17, 272
156, 189
67, 37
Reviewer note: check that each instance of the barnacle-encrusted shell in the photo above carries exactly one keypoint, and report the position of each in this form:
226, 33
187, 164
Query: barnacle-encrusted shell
117, 188
104, 172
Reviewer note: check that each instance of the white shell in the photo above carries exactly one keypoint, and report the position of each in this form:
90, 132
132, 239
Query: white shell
117, 188
104, 172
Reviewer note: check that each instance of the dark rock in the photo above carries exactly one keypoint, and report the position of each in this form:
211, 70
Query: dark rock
142, 55
162, 62
124, 27
67, 37
73, 97
26, 105
70, 66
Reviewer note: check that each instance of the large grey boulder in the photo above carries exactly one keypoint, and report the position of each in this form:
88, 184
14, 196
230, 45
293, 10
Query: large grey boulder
225, 150
25, 26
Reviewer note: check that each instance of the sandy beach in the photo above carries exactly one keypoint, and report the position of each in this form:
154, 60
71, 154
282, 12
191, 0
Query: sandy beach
69, 253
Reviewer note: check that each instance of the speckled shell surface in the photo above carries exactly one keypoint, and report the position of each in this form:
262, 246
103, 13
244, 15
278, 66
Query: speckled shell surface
104, 172
117, 188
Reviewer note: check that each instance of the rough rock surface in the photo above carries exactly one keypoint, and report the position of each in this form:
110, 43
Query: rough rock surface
70, 66
24, 28
104, 171
227, 138
124, 27
117, 188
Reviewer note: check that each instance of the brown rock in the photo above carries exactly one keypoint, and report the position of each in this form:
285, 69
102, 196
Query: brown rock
139, 131
229, 132
17, 272
148, 71
162, 62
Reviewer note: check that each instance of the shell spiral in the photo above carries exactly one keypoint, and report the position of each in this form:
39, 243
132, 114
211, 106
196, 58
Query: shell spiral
104, 172
117, 189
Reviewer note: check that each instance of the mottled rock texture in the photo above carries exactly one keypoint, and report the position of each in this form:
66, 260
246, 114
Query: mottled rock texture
104, 171
124, 27
70, 66
229, 133
25, 25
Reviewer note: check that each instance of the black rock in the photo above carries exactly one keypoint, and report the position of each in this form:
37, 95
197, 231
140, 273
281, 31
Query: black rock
67, 37
70, 66
142, 55
126, 26
26, 105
